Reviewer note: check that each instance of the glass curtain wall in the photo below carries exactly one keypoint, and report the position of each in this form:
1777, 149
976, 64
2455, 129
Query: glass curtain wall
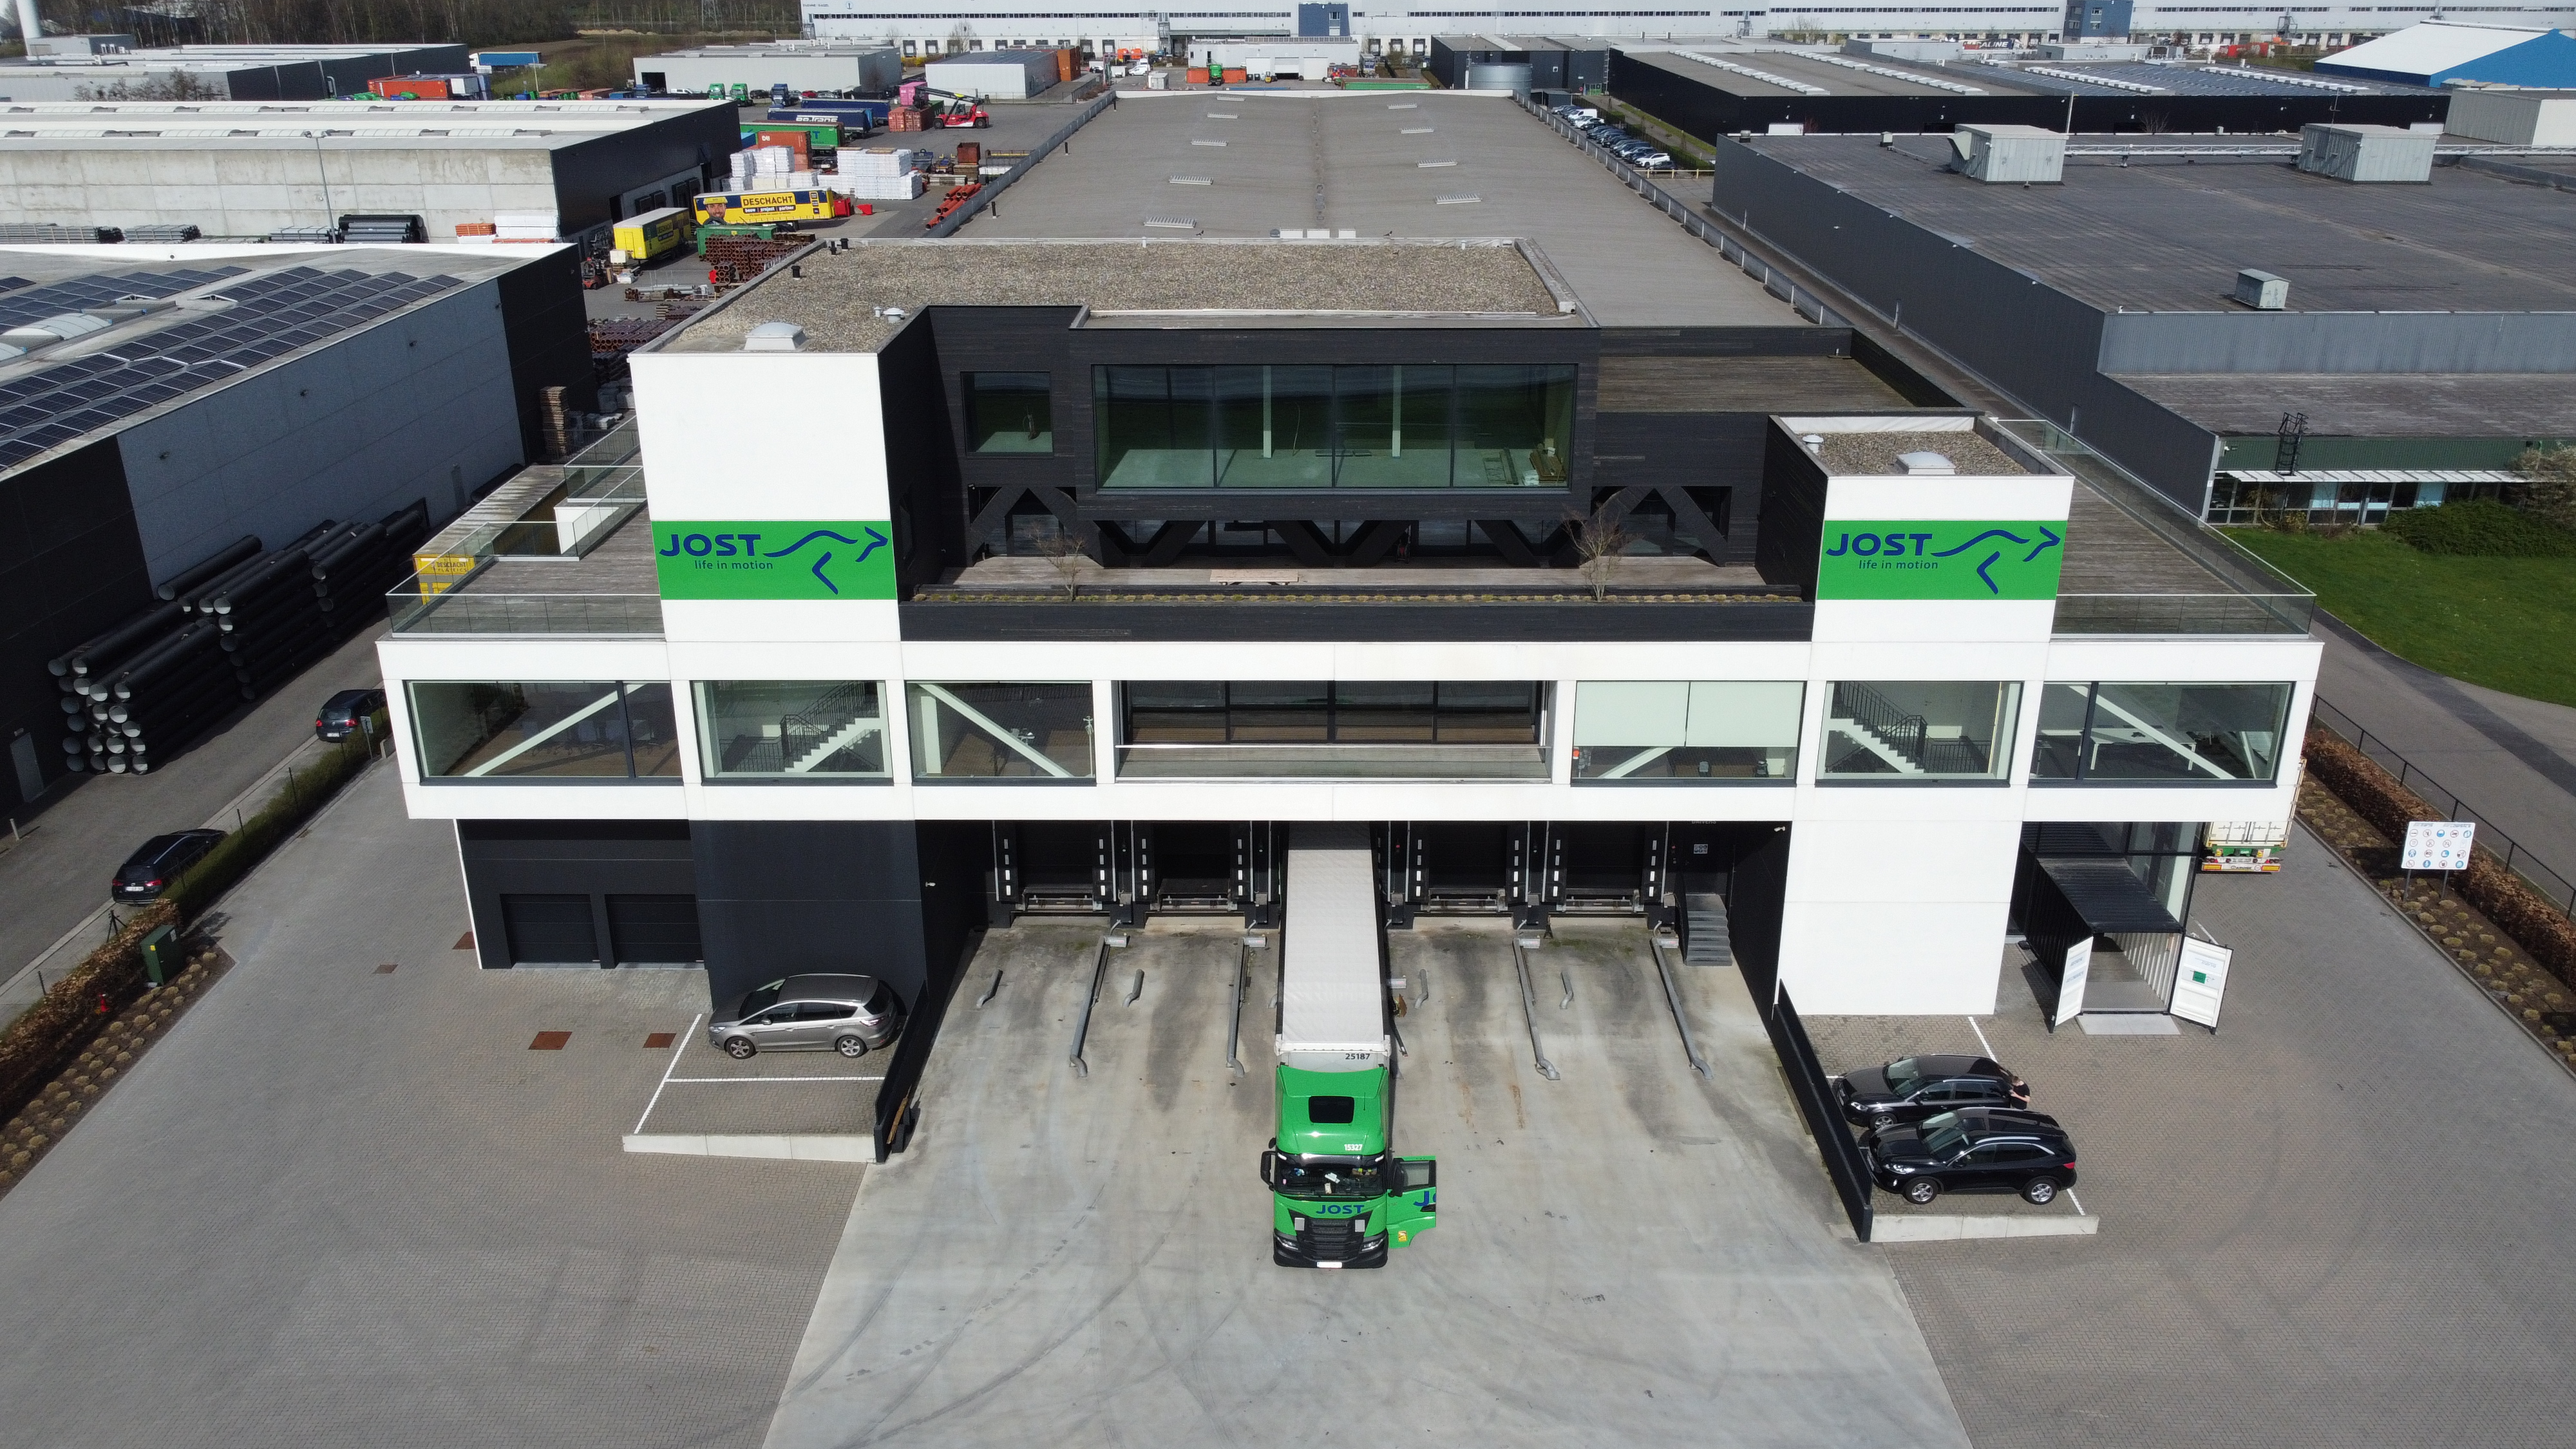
1009, 412
1667, 732
1348, 729
2133, 733
1927, 730
544, 731
797, 729
1308, 427
1024, 733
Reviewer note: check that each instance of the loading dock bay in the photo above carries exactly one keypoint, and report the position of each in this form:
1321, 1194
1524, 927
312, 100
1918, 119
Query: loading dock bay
1629, 1253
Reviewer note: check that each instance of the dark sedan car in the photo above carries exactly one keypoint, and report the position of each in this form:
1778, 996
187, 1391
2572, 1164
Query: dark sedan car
344, 714
150, 870
1913, 1088
1979, 1149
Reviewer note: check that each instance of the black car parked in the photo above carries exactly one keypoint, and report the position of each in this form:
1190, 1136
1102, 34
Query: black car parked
1913, 1088
150, 870
1979, 1149
343, 714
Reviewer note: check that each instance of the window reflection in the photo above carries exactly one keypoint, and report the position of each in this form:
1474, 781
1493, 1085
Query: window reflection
1300, 426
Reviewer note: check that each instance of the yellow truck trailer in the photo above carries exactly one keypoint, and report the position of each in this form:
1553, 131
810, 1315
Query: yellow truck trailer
651, 234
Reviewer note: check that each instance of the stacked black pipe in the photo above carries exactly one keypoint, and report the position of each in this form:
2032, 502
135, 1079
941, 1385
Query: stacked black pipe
231, 629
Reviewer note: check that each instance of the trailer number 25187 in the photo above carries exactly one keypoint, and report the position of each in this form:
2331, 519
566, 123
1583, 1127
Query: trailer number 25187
1357, 1056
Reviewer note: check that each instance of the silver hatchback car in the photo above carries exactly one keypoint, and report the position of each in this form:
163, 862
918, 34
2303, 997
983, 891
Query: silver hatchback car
846, 1014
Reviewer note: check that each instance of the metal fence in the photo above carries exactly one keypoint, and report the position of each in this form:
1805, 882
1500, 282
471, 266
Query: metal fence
2552, 884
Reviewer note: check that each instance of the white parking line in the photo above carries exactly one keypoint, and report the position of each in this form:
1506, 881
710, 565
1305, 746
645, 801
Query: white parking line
667, 1071
1981, 1035
688, 1080
2079, 1202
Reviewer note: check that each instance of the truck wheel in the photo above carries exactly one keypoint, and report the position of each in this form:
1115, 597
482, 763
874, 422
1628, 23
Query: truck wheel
850, 1046
739, 1047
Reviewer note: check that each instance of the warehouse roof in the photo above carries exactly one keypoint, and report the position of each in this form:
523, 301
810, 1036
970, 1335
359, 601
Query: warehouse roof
2372, 404
1381, 164
1771, 72
196, 125
2154, 228
155, 326
841, 299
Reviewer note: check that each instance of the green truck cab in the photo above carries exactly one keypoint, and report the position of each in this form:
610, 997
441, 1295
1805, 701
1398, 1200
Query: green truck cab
1339, 1197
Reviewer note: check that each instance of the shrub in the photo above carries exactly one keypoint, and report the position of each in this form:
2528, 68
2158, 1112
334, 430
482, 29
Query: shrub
237, 854
2548, 489
63, 1021
2482, 527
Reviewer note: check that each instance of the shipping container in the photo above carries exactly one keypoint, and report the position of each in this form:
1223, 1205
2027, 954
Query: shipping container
820, 135
651, 234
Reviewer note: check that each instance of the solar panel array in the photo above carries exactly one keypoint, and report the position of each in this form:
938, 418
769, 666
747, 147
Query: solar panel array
54, 299
272, 315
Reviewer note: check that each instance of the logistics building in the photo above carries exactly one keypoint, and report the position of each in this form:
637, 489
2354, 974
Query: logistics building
157, 404
244, 169
1368, 459
113, 67
2407, 338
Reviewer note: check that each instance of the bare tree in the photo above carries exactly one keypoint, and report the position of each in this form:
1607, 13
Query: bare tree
1599, 540
1064, 549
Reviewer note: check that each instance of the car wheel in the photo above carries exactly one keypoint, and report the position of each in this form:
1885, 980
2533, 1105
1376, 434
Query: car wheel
739, 1047
2039, 1191
850, 1046
1922, 1190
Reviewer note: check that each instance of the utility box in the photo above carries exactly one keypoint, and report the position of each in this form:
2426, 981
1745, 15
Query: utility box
2027, 155
2366, 153
161, 956
2262, 291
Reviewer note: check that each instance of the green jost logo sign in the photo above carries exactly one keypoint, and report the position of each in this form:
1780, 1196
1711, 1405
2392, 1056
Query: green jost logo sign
1940, 560
773, 560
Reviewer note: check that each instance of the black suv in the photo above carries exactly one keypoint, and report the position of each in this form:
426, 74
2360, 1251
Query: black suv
1913, 1088
151, 869
342, 715
1979, 1149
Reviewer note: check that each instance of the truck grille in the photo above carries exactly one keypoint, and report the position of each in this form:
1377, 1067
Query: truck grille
1329, 1240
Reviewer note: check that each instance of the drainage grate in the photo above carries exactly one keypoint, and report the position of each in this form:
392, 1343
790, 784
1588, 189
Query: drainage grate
386, 969
465, 942
550, 1041
660, 1039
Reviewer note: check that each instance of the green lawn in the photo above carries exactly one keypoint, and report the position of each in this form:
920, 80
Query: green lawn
2506, 623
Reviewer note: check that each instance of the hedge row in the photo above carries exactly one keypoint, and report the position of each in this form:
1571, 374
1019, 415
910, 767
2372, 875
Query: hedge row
2521, 912
53, 1032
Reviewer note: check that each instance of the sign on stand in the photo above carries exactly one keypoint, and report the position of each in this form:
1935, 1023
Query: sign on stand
2437, 845
2070, 983
2200, 981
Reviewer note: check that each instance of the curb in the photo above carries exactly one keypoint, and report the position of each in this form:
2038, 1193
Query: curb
815, 1147
1957, 1226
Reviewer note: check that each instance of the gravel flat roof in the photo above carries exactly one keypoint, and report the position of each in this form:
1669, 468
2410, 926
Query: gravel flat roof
838, 298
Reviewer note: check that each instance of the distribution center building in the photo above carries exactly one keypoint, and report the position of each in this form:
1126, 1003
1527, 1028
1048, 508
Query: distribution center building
1102, 556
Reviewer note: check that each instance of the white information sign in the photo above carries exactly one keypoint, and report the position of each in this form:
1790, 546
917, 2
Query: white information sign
2436, 845
2200, 981
2070, 985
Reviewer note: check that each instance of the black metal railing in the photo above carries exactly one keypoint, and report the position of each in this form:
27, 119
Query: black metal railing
812, 727
1895, 728
1814, 1092
2550, 883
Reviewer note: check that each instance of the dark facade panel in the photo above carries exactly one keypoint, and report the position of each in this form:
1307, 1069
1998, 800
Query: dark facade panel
547, 332
589, 174
1426, 622
924, 448
71, 566
589, 859
885, 898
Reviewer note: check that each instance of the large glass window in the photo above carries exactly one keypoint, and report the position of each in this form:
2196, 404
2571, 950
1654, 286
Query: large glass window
1664, 732
1919, 730
1323, 729
796, 729
1029, 733
2202, 733
1009, 412
1334, 427
526, 730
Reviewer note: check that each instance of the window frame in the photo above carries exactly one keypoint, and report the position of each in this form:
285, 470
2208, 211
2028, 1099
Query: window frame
709, 774
2084, 779
624, 691
2007, 739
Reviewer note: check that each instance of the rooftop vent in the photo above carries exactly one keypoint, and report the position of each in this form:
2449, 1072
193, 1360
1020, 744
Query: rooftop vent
775, 337
1926, 465
2026, 155
2366, 153
2262, 291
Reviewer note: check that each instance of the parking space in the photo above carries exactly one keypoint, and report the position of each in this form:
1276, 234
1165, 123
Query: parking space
774, 1094
1629, 1253
2337, 1221
345, 1205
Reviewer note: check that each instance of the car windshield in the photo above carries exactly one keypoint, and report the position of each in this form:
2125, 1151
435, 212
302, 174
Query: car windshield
762, 999
1333, 1178
1902, 1074
1942, 1135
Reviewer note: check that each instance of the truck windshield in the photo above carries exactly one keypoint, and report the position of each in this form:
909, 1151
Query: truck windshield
1330, 1178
